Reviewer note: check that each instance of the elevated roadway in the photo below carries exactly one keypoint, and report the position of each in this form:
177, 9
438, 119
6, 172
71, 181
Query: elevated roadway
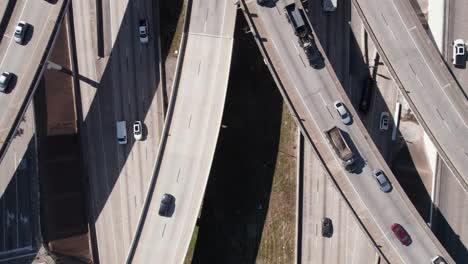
25, 61
439, 103
310, 94
189, 135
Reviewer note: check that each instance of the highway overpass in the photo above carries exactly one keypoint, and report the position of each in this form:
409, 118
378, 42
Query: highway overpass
25, 61
190, 133
439, 103
310, 94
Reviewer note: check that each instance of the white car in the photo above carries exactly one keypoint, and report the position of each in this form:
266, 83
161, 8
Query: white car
438, 260
459, 53
382, 181
343, 112
20, 32
384, 118
137, 130
143, 31
5, 80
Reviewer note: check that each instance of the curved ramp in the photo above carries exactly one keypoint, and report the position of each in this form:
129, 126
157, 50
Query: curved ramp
439, 103
310, 93
190, 134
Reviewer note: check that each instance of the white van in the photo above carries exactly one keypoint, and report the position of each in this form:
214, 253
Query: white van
329, 5
121, 127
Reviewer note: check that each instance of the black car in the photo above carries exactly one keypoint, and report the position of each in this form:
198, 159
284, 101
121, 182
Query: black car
262, 2
167, 201
327, 227
366, 95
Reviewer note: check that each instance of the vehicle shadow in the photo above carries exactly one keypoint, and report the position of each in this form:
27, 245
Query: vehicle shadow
353, 77
237, 197
29, 34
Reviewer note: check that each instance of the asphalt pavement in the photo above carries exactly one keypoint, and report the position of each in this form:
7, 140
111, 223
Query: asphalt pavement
348, 243
122, 86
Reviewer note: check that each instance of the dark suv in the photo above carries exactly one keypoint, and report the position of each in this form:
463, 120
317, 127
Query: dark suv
366, 95
167, 201
327, 227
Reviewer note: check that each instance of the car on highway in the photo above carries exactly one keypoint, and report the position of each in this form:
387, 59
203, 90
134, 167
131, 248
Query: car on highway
5, 81
342, 112
137, 130
327, 227
382, 180
20, 32
143, 31
167, 201
401, 234
121, 129
459, 53
438, 260
384, 118
366, 95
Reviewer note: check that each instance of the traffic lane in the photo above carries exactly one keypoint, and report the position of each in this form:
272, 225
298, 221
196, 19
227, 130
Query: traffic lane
321, 199
204, 13
370, 157
7, 38
18, 61
128, 81
415, 66
189, 150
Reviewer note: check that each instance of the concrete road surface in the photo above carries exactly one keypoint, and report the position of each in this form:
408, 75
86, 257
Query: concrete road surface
23, 60
124, 86
317, 90
441, 103
193, 132
348, 244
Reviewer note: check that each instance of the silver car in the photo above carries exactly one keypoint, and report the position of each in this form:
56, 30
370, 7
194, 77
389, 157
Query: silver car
343, 112
137, 130
382, 180
20, 32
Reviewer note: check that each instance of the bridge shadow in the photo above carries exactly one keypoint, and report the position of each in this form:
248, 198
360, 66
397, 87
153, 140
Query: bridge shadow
19, 207
364, 66
237, 197
449, 238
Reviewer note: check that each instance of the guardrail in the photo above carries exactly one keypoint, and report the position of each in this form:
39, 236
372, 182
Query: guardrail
164, 134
